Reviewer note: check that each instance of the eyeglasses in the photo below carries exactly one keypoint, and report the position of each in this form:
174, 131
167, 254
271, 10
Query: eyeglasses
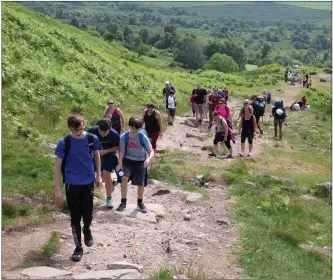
77, 129
110, 103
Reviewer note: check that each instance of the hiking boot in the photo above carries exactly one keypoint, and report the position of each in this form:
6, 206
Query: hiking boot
121, 207
109, 203
212, 154
88, 239
77, 255
229, 156
142, 208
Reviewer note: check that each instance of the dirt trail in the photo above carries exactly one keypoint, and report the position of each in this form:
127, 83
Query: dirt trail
160, 238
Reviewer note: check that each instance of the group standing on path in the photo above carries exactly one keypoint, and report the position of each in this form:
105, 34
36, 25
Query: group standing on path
85, 158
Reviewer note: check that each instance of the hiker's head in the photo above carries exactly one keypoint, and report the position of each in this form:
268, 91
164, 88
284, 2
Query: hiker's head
198, 86
222, 102
135, 123
167, 83
104, 126
111, 104
172, 93
216, 116
225, 88
76, 125
246, 102
150, 107
215, 92
249, 109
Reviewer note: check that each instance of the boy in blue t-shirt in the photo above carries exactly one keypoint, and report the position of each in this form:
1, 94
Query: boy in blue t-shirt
79, 177
109, 139
133, 161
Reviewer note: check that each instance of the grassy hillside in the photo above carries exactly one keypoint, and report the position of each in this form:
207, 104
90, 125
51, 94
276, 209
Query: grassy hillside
317, 5
51, 69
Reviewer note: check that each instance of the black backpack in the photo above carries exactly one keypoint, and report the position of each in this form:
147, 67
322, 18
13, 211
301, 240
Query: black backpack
259, 107
67, 149
279, 105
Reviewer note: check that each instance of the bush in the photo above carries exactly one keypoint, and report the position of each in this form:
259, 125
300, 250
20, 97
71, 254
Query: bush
222, 63
313, 73
322, 80
152, 55
328, 70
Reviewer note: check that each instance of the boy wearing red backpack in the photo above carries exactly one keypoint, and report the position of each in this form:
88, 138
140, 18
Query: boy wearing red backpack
133, 161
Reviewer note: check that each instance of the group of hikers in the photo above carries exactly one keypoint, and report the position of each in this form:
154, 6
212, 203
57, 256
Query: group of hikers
89, 157
305, 80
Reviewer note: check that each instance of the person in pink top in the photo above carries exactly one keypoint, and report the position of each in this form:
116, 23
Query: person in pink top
223, 109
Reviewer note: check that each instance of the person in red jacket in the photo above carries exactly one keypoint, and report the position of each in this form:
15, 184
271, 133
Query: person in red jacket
304, 100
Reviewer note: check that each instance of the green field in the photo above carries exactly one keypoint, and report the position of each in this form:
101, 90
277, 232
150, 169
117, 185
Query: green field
318, 5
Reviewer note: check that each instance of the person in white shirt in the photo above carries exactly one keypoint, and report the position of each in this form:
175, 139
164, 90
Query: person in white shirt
171, 107
307, 107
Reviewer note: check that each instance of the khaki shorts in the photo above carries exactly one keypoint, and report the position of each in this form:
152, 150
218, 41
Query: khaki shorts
198, 108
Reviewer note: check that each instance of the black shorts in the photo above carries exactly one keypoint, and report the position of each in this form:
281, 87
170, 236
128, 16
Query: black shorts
247, 135
109, 162
135, 171
172, 112
219, 137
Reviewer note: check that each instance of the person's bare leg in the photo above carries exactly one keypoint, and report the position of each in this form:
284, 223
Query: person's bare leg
108, 183
124, 187
242, 147
141, 190
280, 129
250, 148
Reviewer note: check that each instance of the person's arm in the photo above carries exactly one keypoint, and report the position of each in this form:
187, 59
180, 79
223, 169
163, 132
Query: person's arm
159, 119
122, 121
254, 126
149, 150
194, 93
240, 113
97, 159
121, 153
240, 125
143, 116
56, 178
107, 151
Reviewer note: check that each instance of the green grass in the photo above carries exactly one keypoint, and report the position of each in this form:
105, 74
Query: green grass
311, 5
52, 246
22, 266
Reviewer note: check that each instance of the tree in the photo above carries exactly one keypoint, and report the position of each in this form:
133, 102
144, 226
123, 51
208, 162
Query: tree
237, 52
325, 57
111, 37
142, 49
188, 51
75, 22
170, 29
144, 33
265, 50
222, 63
84, 26
212, 47
127, 31
112, 28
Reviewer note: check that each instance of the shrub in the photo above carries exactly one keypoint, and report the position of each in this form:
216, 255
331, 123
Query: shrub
152, 55
52, 246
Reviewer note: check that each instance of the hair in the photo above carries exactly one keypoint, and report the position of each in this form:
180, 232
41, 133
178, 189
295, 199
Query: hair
75, 121
246, 101
135, 122
104, 124
150, 105
171, 92
215, 114
222, 100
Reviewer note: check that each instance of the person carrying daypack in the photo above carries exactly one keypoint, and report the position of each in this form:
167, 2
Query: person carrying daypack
279, 114
221, 135
259, 106
247, 129
269, 98
116, 116
133, 161
75, 162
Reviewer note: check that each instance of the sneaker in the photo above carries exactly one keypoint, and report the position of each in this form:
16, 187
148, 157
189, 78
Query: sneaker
249, 154
241, 154
109, 203
142, 208
121, 207
212, 154
88, 239
77, 255
229, 156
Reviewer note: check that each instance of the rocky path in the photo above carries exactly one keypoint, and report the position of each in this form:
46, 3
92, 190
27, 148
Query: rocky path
181, 229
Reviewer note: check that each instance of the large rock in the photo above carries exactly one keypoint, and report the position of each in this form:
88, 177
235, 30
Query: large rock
125, 265
284, 180
110, 274
325, 188
161, 192
192, 122
193, 197
44, 272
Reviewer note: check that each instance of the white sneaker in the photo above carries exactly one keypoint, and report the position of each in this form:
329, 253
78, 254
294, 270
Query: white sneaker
249, 154
241, 154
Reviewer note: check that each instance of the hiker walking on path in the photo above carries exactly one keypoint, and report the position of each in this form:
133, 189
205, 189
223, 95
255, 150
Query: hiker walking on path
133, 161
199, 97
226, 94
116, 116
258, 105
166, 92
74, 160
152, 120
223, 109
109, 138
247, 129
171, 107
213, 101
279, 114
221, 135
